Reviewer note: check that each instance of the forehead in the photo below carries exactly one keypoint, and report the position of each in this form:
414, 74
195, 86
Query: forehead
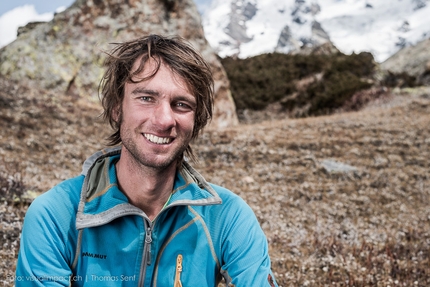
149, 72
148, 66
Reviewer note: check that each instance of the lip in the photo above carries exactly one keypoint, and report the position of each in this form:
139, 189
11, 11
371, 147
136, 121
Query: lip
159, 140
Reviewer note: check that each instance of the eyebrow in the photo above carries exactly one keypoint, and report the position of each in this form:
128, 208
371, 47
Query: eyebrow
140, 90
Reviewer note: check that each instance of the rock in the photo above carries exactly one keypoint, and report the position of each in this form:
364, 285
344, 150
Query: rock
28, 27
248, 179
335, 166
66, 54
413, 60
318, 43
286, 41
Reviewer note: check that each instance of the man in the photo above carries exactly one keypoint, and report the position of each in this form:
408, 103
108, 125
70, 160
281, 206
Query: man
139, 214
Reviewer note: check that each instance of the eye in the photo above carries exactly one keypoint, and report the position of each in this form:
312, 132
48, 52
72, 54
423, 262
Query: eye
182, 106
145, 99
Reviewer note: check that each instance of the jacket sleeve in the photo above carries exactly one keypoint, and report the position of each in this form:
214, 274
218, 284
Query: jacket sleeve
245, 254
46, 250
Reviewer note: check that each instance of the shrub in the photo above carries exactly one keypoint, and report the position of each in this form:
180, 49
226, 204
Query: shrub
264, 79
268, 78
341, 80
401, 80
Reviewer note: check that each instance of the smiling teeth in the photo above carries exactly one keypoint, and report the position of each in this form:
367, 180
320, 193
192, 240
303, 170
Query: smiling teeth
157, 140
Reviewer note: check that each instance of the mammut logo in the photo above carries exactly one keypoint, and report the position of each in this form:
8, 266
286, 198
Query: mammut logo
270, 279
93, 255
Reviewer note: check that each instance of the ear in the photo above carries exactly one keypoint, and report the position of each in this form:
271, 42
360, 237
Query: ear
116, 113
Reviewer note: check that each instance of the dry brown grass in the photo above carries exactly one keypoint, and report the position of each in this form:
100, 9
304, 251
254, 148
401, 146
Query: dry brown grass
366, 227
369, 226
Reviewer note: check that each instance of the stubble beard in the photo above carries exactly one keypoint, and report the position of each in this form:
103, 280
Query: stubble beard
143, 160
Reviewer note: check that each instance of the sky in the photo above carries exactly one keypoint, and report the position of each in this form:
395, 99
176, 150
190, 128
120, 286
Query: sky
41, 6
16, 13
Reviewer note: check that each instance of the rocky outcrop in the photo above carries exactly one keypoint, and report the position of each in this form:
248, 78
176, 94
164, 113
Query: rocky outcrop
240, 13
413, 60
66, 54
287, 42
319, 38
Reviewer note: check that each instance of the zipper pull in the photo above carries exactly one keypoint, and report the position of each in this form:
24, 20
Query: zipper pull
148, 241
177, 282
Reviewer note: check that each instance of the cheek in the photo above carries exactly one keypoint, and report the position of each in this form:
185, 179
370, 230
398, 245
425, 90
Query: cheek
185, 123
128, 113
190, 126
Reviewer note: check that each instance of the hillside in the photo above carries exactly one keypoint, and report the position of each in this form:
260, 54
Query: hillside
344, 199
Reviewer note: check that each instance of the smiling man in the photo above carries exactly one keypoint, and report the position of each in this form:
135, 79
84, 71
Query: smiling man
139, 214
155, 131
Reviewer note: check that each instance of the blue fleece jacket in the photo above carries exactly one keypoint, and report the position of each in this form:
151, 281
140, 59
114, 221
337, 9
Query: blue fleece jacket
84, 232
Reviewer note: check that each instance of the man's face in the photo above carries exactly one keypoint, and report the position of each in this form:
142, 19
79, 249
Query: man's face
157, 117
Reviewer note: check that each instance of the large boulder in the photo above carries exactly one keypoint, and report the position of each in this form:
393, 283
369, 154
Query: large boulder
66, 54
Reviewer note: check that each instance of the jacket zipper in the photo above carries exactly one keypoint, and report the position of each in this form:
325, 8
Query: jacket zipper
146, 256
177, 282
148, 241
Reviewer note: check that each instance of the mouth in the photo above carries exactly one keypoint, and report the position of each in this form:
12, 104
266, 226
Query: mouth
157, 140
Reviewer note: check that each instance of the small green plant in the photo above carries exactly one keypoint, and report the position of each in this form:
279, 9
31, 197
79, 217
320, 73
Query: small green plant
402, 80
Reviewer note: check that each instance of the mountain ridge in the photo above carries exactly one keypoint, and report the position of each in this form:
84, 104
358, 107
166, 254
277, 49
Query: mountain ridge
245, 28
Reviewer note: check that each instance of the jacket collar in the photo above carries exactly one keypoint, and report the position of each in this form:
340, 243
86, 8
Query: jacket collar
101, 200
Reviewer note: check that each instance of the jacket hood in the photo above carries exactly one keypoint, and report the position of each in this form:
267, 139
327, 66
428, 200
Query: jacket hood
101, 200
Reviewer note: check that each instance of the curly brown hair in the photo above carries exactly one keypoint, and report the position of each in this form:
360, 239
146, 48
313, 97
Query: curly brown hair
171, 51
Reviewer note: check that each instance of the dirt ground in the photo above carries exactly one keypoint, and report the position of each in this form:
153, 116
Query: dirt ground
343, 199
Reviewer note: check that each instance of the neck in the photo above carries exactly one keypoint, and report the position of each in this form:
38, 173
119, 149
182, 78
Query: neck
145, 187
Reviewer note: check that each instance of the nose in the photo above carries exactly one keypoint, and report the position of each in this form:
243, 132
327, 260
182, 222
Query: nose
164, 117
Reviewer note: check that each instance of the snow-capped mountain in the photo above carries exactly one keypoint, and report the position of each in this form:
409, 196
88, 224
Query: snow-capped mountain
250, 27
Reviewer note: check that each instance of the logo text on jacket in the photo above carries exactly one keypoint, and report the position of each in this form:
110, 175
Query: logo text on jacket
94, 255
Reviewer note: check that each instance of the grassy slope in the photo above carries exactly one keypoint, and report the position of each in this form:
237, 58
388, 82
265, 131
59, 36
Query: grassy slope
370, 227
